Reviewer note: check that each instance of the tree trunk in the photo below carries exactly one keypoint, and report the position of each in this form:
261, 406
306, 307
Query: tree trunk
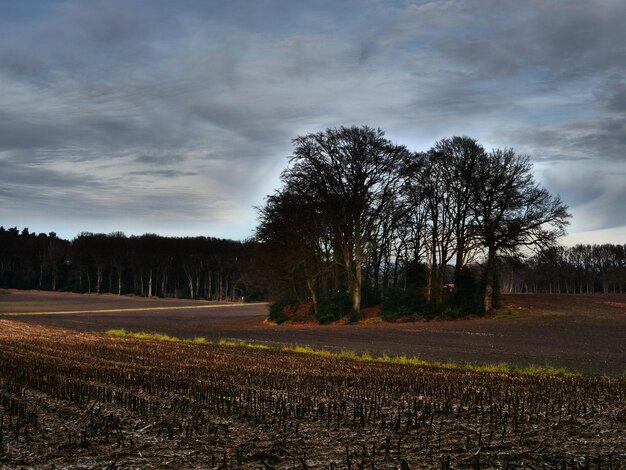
460, 254
190, 282
311, 286
356, 297
490, 275
164, 283
98, 279
150, 283
354, 275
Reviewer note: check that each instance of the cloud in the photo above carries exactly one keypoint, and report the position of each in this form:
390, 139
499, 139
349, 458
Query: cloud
163, 173
185, 111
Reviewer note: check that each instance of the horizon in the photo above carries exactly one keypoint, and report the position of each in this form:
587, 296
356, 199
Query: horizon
569, 240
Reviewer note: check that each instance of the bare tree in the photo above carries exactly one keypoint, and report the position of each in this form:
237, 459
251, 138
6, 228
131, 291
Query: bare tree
291, 224
352, 173
512, 210
459, 157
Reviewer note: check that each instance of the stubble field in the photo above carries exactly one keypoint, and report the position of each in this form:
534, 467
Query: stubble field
71, 398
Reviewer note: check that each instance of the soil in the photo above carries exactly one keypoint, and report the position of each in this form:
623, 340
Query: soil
585, 333
86, 400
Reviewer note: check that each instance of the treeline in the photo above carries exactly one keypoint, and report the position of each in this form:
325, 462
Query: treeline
32, 261
581, 269
147, 265
360, 220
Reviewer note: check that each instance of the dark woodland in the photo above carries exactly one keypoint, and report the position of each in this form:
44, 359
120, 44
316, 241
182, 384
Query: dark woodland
47, 262
149, 265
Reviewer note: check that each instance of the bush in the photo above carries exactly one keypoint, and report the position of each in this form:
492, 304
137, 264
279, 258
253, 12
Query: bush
432, 309
401, 302
467, 297
300, 312
332, 307
277, 312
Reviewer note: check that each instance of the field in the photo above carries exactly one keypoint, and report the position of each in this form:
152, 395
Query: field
72, 398
585, 333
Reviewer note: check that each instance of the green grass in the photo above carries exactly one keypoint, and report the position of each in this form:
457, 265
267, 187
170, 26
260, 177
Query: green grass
156, 336
546, 371
499, 368
242, 344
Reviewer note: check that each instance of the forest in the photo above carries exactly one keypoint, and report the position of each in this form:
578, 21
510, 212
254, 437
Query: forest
581, 269
127, 264
147, 265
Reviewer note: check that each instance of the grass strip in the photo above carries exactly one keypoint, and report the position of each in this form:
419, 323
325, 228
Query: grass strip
156, 336
500, 368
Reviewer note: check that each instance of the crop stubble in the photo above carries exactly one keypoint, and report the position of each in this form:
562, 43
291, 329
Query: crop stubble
83, 399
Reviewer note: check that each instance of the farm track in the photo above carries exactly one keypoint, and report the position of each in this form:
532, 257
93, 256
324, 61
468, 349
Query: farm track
84, 400
133, 309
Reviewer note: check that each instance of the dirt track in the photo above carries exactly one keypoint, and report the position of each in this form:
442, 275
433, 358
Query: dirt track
581, 332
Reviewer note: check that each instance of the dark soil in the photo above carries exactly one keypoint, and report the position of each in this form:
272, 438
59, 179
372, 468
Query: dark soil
585, 333
87, 400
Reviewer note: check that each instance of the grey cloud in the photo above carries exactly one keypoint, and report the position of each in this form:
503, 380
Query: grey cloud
20, 177
42, 189
602, 140
576, 188
159, 159
551, 39
17, 132
199, 101
613, 94
163, 173
595, 193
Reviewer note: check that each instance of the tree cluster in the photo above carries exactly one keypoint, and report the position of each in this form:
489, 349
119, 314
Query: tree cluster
358, 216
581, 269
148, 265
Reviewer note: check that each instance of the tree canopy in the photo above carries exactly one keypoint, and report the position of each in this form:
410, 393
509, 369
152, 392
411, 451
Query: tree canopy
360, 215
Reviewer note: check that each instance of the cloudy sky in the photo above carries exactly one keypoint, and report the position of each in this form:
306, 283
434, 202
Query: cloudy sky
177, 117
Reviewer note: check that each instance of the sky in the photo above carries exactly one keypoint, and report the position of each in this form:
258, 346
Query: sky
177, 118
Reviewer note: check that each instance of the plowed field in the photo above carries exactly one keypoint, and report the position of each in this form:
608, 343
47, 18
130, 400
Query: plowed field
585, 333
